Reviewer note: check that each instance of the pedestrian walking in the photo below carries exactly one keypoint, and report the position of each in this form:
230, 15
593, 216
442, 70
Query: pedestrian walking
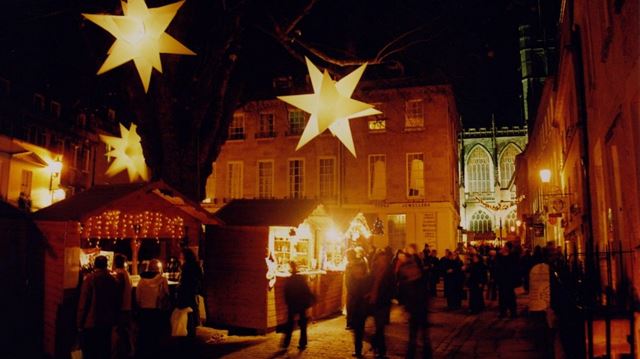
98, 307
410, 282
360, 287
123, 344
298, 297
434, 272
189, 287
380, 298
506, 280
152, 294
475, 283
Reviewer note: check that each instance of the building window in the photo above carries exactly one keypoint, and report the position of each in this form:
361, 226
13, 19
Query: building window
481, 222
508, 164
377, 176
265, 179
25, 183
327, 177
111, 115
377, 123
38, 102
414, 114
236, 127
479, 171
265, 126
234, 179
397, 229
296, 178
55, 108
81, 120
510, 221
415, 175
86, 163
297, 122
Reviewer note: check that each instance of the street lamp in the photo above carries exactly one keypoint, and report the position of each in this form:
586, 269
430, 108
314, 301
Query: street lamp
545, 175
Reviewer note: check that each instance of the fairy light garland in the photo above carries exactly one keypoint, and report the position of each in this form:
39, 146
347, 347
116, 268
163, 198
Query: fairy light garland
115, 225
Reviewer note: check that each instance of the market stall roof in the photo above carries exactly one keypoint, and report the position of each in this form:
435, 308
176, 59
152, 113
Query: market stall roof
82, 205
266, 212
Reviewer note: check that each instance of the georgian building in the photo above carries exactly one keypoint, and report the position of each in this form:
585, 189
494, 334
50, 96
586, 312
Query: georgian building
405, 173
488, 193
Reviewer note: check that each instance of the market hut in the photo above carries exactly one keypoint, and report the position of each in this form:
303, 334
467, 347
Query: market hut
247, 257
140, 220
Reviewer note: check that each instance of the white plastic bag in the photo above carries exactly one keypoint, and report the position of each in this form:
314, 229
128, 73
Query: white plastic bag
179, 320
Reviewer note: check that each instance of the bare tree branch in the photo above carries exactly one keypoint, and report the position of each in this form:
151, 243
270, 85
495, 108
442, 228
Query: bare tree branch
300, 16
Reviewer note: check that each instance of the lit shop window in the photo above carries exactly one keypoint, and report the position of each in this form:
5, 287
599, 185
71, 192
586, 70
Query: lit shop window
397, 225
415, 175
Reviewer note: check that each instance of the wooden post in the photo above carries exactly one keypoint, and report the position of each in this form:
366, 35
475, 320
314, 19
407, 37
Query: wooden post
135, 247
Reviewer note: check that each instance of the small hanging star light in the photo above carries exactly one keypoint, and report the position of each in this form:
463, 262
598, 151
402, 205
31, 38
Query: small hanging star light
127, 151
140, 37
331, 105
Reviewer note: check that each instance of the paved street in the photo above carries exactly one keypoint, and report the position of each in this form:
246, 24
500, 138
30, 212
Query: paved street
453, 334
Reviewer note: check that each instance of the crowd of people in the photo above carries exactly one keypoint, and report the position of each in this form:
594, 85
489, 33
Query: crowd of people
374, 279
116, 320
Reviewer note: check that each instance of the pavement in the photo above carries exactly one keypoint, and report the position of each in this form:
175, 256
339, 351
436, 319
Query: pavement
454, 334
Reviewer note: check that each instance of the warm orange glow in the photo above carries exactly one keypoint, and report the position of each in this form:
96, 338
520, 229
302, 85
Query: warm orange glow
545, 175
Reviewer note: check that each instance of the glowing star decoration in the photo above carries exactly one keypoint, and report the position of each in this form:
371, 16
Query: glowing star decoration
330, 106
140, 37
127, 152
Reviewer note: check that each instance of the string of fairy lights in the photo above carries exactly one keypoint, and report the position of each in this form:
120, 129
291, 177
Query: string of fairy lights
115, 225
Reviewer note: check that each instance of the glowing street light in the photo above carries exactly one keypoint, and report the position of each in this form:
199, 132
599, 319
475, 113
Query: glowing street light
545, 175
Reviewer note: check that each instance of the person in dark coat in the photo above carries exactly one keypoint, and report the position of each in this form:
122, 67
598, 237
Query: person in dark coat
492, 286
351, 260
506, 280
526, 263
189, 286
298, 297
414, 296
453, 280
380, 298
476, 282
98, 309
434, 272
360, 287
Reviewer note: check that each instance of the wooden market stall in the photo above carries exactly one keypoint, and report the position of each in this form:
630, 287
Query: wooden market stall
141, 220
246, 259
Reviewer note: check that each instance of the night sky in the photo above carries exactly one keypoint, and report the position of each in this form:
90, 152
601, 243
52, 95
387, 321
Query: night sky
470, 44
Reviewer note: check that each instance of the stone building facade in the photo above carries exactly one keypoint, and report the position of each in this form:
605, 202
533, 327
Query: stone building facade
488, 192
405, 173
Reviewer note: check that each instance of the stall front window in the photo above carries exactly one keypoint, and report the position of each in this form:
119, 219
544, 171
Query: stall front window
292, 244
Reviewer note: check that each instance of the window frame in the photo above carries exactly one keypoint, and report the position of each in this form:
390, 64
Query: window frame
259, 177
409, 124
229, 179
408, 171
371, 173
290, 193
333, 193
235, 132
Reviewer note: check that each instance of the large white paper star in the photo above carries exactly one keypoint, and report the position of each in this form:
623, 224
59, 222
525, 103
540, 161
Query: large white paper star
127, 151
331, 105
140, 37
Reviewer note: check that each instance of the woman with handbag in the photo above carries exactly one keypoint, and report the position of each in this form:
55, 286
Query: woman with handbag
152, 295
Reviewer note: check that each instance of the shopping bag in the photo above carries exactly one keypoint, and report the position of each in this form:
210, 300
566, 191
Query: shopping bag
179, 320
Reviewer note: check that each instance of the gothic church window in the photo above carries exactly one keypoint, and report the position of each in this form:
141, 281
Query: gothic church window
479, 171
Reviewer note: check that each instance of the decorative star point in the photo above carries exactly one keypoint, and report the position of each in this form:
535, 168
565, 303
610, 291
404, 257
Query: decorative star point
127, 153
330, 106
140, 36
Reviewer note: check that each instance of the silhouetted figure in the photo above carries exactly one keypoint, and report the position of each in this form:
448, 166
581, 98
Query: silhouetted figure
360, 287
453, 280
434, 272
189, 286
506, 280
152, 291
298, 297
476, 282
526, 263
414, 299
123, 342
380, 298
492, 286
97, 311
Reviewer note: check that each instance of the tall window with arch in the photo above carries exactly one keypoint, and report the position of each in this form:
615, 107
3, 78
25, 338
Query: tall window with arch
479, 170
481, 222
510, 220
508, 163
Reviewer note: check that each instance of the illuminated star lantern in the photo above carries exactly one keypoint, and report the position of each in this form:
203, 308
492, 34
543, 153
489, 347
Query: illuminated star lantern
330, 106
127, 152
140, 37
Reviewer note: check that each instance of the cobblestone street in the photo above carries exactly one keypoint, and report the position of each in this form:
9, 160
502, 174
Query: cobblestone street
454, 334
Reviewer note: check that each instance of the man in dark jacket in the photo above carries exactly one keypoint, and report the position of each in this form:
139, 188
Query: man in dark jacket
298, 297
97, 310
506, 279
380, 296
